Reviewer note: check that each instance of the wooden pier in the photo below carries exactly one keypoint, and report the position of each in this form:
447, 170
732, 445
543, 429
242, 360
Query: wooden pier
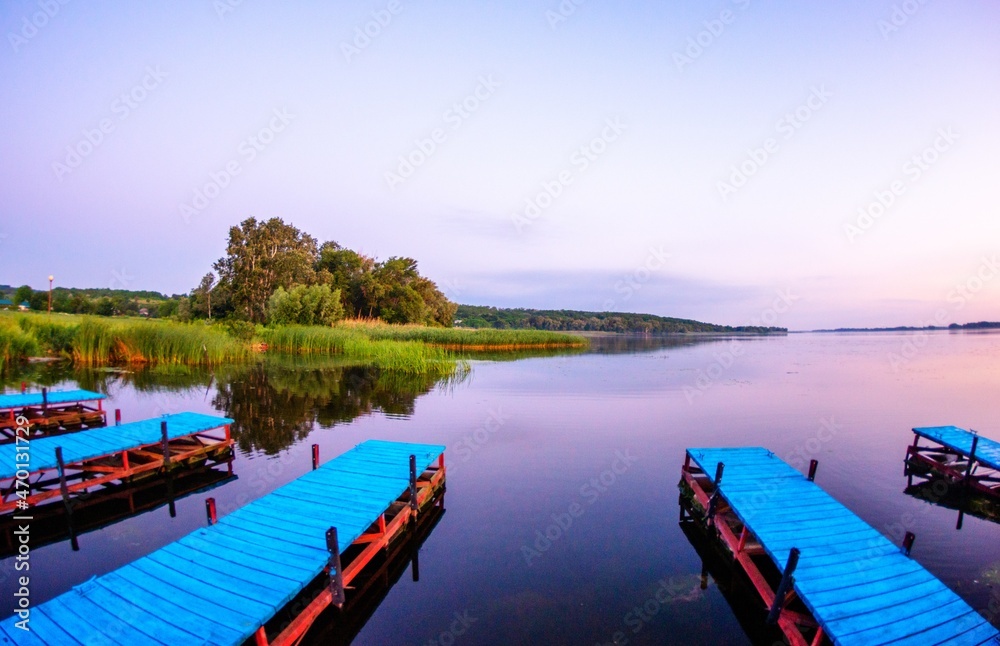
225, 583
50, 412
823, 574
66, 465
958, 455
112, 504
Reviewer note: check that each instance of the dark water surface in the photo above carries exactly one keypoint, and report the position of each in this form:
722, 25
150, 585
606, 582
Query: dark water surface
586, 448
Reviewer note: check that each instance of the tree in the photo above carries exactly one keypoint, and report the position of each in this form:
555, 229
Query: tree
203, 294
305, 305
347, 270
261, 257
22, 294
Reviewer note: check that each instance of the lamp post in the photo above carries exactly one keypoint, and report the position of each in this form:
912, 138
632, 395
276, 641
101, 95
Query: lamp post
51, 278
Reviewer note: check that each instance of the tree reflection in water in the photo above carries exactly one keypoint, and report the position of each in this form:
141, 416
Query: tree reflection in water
274, 403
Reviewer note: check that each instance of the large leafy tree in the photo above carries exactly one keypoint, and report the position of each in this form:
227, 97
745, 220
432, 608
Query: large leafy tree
260, 257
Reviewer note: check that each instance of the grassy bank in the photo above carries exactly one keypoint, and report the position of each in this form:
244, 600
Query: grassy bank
102, 341
355, 345
97, 341
466, 339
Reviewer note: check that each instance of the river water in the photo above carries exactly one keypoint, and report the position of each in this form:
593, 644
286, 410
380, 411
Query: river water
561, 522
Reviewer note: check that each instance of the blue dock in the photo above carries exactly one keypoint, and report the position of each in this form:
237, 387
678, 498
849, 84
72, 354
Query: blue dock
959, 455
64, 464
842, 579
49, 411
47, 397
222, 584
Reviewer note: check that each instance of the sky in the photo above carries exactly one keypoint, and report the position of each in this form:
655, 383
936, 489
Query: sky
808, 165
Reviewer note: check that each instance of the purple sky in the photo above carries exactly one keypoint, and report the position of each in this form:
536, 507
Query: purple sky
710, 160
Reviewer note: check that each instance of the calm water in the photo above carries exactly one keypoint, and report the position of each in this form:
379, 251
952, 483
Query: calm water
534, 439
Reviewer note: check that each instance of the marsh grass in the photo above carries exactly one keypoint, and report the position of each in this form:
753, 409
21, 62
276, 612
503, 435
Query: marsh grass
96, 341
99, 341
15, 343
466, 339
357, 347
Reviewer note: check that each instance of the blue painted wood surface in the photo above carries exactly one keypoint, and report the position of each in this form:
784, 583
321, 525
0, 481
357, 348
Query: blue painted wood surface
94, 443
959, 439
859, 586
19, 400
218, 584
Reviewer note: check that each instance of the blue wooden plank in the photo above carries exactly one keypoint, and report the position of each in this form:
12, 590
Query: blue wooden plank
72, 623
957, 629
94, 443
182, 585
917, 616
260, 556
211, 630
268, 583
295, 544
10, 634
856, 583
959, 439
120, 620
220, 583
19, 400
43, 628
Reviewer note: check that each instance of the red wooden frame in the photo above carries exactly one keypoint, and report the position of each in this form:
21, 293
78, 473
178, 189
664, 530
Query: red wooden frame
744, 547
382, 532
120, 466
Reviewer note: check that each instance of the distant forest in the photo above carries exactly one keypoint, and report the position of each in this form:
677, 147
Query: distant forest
477, 316
981, 325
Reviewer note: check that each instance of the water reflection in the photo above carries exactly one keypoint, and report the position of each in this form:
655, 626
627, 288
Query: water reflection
276, 404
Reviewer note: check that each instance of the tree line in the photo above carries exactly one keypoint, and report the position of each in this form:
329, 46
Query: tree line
573, 320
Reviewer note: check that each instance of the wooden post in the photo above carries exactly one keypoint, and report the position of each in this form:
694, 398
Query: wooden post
45, 398
784, 587
118, 417
166, 442
413, 484
63, 487
719, 468
210, 511
813, 465
972, 457
24, 387
908, 542
315, 450
336, 573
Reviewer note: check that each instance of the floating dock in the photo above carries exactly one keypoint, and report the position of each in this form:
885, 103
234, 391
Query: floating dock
48, 412
68, 464
112, 504
823, 573
225, 583
958, 455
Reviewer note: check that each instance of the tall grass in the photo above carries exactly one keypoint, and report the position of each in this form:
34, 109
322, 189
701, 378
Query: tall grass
15, 344
95, 341
100, 341
356, 346
465, 338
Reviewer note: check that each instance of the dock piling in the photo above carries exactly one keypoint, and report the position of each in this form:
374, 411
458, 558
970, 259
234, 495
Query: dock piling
336, 573
118, 417
413, 484
813, 465
908, 542
166, 443
45, 399
784, 587
315, 455
63, 487
210, 511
